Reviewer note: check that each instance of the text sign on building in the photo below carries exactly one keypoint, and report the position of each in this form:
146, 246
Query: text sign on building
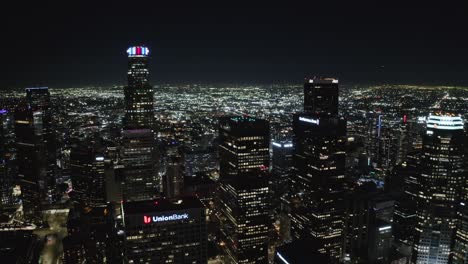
164, 218
309, 120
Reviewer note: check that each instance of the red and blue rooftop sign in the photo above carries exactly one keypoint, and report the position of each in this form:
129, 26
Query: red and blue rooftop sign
137, 51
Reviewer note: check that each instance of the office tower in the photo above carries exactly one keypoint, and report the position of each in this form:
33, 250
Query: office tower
87, 173
165, 231
5, 182
321, 96
92, 236
173, 180
138, 93
403, 141
439, 187
244, 200
460, 247
368, 225
404, 186
30, 160
38, 100
298, 252
283, 151
35, 150
318, 180
138, 153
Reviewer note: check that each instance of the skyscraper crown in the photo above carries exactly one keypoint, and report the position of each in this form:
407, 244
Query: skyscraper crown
138, 51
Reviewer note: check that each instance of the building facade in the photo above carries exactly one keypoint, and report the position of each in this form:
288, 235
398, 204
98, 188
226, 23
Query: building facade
165, 231
138, 150
318, 180
439, 182
244, 201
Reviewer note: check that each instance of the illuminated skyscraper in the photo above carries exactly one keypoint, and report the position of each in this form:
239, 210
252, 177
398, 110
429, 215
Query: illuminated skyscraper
319, 165
140, 181
244, 199
138, 93
460, 247
439, 180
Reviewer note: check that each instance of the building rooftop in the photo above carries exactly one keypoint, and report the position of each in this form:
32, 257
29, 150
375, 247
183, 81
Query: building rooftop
161, 205
299, 252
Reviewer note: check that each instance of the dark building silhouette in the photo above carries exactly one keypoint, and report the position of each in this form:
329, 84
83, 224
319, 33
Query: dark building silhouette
92, 236
18, 245
244, 193
165, 231
321, 96
87, 173
6, 183
173, 180
368, 225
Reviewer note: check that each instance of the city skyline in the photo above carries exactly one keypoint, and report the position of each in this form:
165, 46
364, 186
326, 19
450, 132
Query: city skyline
211, 152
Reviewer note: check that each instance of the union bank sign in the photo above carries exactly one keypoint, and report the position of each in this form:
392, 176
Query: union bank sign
164, 218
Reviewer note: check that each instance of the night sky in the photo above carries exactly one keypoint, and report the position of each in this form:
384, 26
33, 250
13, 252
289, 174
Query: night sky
68, 45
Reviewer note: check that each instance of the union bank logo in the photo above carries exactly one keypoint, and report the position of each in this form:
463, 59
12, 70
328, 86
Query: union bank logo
164, 218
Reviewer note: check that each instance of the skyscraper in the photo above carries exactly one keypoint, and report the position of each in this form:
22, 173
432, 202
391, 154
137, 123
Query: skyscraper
319, 165
321, 96
30, 159
5, 182
87, 173
439, 182
244, 196
138, 93
140, 181
460, 246
38, 99
173, 180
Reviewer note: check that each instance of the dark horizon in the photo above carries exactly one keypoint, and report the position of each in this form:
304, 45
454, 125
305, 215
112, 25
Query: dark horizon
86, 44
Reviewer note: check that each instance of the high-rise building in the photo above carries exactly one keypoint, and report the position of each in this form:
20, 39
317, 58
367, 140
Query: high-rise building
173, 180
244, 200
318, 179
87, 173
439, 180
321, 96
460, 246
283, 151
139, 112
35, 150
368, 225
92, 236
5, 182
30, 162
38, 100
138, 153
165, 231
